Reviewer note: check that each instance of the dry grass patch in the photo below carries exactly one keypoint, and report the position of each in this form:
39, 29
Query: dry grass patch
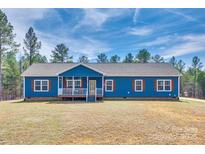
111, 122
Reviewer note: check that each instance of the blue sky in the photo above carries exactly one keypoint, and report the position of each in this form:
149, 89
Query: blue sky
168, 32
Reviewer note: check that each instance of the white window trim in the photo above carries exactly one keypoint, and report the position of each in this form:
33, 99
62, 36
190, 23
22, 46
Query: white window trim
106, 86
41, 86
69, 81
164, 80
77, 80
141, 85
73, 84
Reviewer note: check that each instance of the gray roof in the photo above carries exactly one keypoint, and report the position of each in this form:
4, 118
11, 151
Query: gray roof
109, 69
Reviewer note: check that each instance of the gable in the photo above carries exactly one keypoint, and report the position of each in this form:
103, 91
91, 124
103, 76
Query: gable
81, 71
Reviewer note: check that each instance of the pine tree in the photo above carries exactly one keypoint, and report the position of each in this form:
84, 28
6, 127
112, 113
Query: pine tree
158, 59
32, 46
11, 80
180, 65
173, 61
102, 58
60, 54
114, 59
143, 56
6, 41
83, 59
196, 66
129, 58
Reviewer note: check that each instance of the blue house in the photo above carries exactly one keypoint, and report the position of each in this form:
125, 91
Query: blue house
91, 82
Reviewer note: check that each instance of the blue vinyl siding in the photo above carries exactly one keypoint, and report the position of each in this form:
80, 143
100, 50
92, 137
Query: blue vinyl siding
124, 87
80, 71
30, 93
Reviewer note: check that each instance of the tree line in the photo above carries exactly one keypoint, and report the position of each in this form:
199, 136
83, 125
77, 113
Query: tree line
11, 66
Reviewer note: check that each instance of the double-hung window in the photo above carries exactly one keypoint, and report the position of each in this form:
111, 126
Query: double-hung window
163, 85
109, 85
138, 85
41, 85
69, 83
77, 83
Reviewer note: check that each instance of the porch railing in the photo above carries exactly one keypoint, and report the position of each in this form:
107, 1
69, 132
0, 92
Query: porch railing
75, 91
99, 92
78, 92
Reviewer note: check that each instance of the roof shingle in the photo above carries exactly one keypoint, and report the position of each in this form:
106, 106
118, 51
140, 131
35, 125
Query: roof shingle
109, 69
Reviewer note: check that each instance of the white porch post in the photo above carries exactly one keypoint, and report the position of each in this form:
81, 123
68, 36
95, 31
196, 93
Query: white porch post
58, 85
62, 82
87, 90
73, 85
102, 86
62, 85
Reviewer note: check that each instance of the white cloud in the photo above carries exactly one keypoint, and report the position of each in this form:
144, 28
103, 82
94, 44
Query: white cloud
190, 44
179, 13
136, 15
95, 18
22, 19
140, 31
176, 45
158, 41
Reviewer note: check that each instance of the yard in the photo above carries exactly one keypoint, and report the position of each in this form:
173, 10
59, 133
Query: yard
110, 122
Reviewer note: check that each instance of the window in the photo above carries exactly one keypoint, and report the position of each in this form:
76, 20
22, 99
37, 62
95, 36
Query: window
167, 85
109, 85
163, 85
160, 85
41, 85
37, 85
138, 85
69, 83
77, 83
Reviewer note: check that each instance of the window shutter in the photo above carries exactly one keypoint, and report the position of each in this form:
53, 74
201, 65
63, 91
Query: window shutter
64, 84
155, 85
114, 85
32, 85
144, 85
172, 85
81, 83
133, 85
50, 85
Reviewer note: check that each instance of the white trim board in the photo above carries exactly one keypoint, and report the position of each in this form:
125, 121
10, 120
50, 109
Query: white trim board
141, 85
106, 85
48, 86
164, 85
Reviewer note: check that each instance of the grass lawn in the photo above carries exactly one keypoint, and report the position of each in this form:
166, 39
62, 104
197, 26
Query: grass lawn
111, 122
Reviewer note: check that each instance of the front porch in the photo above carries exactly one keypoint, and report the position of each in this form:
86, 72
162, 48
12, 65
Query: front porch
88, 88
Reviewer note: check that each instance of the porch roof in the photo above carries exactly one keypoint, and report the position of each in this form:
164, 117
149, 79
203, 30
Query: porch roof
109, 69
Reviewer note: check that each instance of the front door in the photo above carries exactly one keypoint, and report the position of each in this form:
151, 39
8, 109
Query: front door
92, 87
